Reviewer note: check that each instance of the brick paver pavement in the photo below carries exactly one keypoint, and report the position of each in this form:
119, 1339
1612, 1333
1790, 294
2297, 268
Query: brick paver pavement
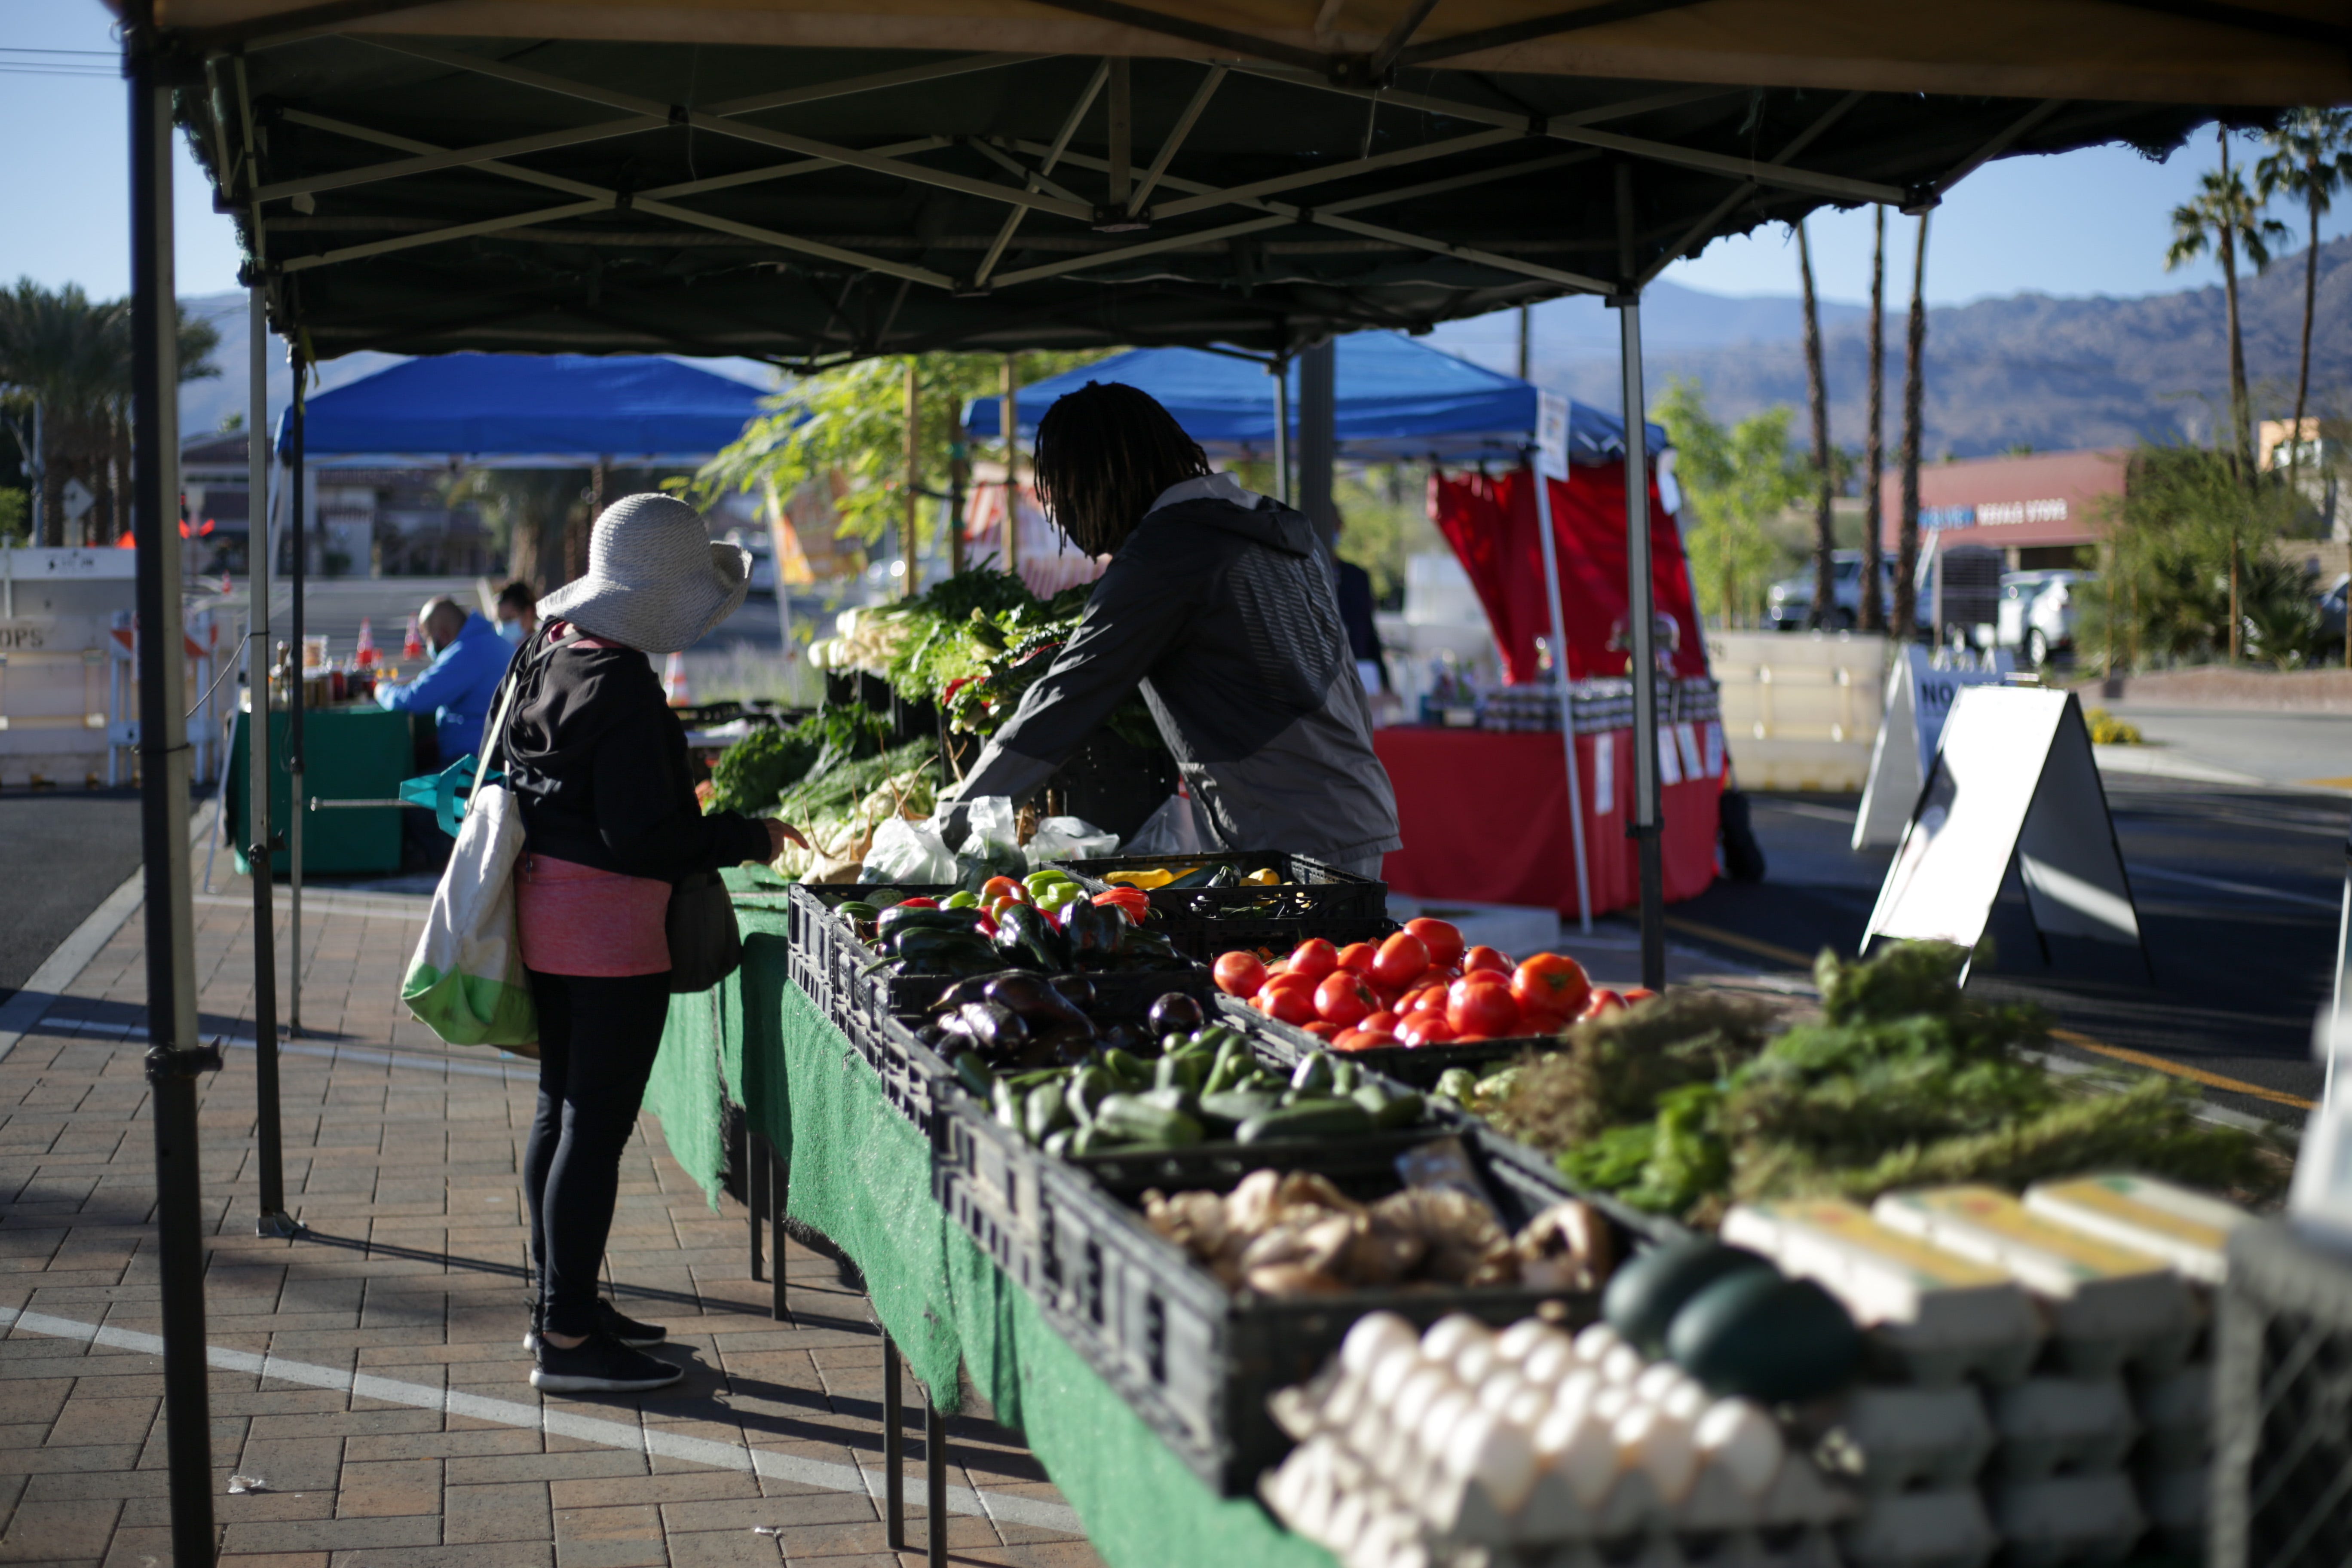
390, 1424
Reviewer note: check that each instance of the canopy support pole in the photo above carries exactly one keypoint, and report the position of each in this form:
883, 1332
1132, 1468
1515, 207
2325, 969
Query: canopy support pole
1559, 676
298, 473
269, 1153
1641, 608
1010, 408
1318, 438
1280, 370
173, 1057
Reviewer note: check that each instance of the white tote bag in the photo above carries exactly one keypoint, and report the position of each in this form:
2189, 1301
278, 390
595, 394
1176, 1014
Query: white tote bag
465, 979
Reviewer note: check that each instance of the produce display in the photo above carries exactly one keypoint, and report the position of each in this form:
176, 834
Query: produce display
1417, 987
1044, 922
1691, 1102
1294, 1233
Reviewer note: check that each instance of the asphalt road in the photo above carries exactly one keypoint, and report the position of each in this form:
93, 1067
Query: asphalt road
62, 853
2238, 895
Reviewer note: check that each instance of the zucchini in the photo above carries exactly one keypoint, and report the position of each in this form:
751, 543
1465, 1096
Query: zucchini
1321, 1118
1131, 1119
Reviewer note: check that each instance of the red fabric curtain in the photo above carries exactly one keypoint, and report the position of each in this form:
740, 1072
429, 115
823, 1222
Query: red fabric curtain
1490, 520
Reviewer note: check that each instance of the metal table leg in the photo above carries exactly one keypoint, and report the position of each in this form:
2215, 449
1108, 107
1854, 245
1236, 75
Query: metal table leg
780, 1178
894, 1451
755, 1190
935, 1482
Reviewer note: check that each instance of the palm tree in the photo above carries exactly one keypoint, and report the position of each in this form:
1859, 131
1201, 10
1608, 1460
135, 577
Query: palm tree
2309, 160
1817, 393
1914, 383
2224, 217
1873, 455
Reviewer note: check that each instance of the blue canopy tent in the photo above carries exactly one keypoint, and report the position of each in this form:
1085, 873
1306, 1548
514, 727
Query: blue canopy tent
1397, 401
554, 411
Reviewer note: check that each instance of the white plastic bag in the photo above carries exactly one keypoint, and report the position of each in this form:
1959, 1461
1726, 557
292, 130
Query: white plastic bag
990, 831
1171, 830
1069, 838
911, 852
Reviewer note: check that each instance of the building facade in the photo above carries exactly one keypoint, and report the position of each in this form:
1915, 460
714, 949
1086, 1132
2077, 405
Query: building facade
2043, 510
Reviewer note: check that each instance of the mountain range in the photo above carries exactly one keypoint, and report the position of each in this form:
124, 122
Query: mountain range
2031, 370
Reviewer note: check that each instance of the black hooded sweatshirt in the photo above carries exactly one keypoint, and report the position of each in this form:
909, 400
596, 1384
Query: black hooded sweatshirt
597, 762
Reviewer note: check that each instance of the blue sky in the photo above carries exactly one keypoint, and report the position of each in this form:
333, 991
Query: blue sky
2094, 222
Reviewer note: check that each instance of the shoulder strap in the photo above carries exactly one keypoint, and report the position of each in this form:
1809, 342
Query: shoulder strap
534, 653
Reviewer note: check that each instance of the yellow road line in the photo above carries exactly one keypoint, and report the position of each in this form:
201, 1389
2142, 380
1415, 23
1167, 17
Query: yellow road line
2328, 784
2073, 1038
2177, 1070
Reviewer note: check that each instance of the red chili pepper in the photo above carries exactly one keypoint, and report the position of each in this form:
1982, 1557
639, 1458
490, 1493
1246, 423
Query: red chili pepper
919, 903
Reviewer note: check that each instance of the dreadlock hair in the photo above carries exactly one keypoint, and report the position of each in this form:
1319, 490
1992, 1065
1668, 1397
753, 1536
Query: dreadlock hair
1105, 453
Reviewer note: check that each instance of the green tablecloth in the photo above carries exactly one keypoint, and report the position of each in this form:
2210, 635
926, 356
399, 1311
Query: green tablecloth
349, 754
862, 1175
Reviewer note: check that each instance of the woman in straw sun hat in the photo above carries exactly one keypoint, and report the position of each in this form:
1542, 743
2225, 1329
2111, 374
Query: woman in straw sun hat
598, 765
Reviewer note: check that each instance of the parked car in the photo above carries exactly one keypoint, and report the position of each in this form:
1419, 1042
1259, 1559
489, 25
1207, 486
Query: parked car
2037, 613
1789, 604
2332, 621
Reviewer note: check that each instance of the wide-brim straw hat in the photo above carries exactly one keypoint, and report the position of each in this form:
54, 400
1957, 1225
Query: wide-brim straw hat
655, 581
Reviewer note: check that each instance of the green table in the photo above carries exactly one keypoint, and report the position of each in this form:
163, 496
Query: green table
360, 752
862, 1176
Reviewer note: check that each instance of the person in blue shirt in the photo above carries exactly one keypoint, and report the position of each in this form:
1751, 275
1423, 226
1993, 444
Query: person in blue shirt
470, 659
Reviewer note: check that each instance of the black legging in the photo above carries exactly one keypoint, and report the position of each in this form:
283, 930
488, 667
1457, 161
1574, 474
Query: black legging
598, 1037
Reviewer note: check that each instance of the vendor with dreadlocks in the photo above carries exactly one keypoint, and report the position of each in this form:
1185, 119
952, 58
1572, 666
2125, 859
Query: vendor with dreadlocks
1219, 604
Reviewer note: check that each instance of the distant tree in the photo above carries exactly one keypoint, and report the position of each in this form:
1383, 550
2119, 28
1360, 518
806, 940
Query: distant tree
1873, 457
1915, 382
1817, 396
1733, 481
2224, 218
2309, 160
2191, 574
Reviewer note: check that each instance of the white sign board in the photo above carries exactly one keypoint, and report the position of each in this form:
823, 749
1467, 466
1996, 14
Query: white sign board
1918, 700
77, 500
1551, 434
2014, 780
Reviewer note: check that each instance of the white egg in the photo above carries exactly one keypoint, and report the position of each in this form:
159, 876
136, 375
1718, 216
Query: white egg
1743, 1441
1611, 1400
1374, 1335
1549, 1360
1436, 1428
1421, 1391
1686, 1401
1623, 1364
1346, 1400
1529, 1406
1390, 1373
1596, 1341
1519, 1340
1444, 1338
1575, 1391
1658, 1444
1578, 1445
1657, 1380
1476, 1362
1495, 1454
1501, 1386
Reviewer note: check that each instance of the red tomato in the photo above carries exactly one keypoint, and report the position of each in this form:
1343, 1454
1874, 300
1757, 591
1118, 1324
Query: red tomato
917, 904
1357, 957
1322, 1030
1639, 993
1443, 938
1003, 887
1383, 1022
1428, 999
1290, 1003
1343, 998
1550, 983
1485, 958
1314, 958
1603, 1000
1480, 1007
1239, 973
1536, 1021
1425, 1029
1401, 961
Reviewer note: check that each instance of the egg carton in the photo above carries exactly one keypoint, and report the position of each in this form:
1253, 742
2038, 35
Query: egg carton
2175, 1417
1889, 1440
2175, 1502
2053, 1425
1946, 1527
2066, 1519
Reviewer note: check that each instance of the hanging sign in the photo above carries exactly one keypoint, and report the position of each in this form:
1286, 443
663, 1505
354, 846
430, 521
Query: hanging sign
2014, 779
1551, 434
1917, 703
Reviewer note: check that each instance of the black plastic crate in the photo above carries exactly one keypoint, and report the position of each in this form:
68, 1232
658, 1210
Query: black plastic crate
1117, 992
1314, 900
914, 1077
1419, 1066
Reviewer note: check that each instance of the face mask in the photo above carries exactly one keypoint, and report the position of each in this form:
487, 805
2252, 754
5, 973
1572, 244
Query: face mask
510, 630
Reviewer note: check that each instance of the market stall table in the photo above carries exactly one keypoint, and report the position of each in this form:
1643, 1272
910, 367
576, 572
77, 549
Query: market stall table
860, 1175
357, 752
1483, 815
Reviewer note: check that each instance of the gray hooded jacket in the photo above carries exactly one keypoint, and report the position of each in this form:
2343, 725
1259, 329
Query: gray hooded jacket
1220, 606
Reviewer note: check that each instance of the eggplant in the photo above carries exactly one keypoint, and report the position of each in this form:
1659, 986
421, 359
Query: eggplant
971, 989
997, 1030
930, 1035
1176, 1011
1124, 1037
1040, 1003
1059, 1045
1078, 989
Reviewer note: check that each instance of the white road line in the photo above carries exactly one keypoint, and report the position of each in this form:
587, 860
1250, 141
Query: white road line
743, 1457
2249, 889
528, 1071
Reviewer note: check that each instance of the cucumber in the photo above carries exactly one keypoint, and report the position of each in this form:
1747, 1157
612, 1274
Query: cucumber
1187, 1072
1230, 1109
1045, 1113
1181, 1100
1130, 1118
858, 910
1644, 1296
1128, 1072
1458, 1084
1345, 1076
1321, 1118
974, 1074
1756, 1335
1085, 1091
1394, 1111
1057, 1143
1313, 1071
1005, 1104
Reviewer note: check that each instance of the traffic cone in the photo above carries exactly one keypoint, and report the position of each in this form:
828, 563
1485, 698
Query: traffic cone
411, 647
674, 681
363, 656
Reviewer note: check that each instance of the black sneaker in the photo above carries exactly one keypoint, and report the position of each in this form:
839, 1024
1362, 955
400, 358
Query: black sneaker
611, 1323
599, 1365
